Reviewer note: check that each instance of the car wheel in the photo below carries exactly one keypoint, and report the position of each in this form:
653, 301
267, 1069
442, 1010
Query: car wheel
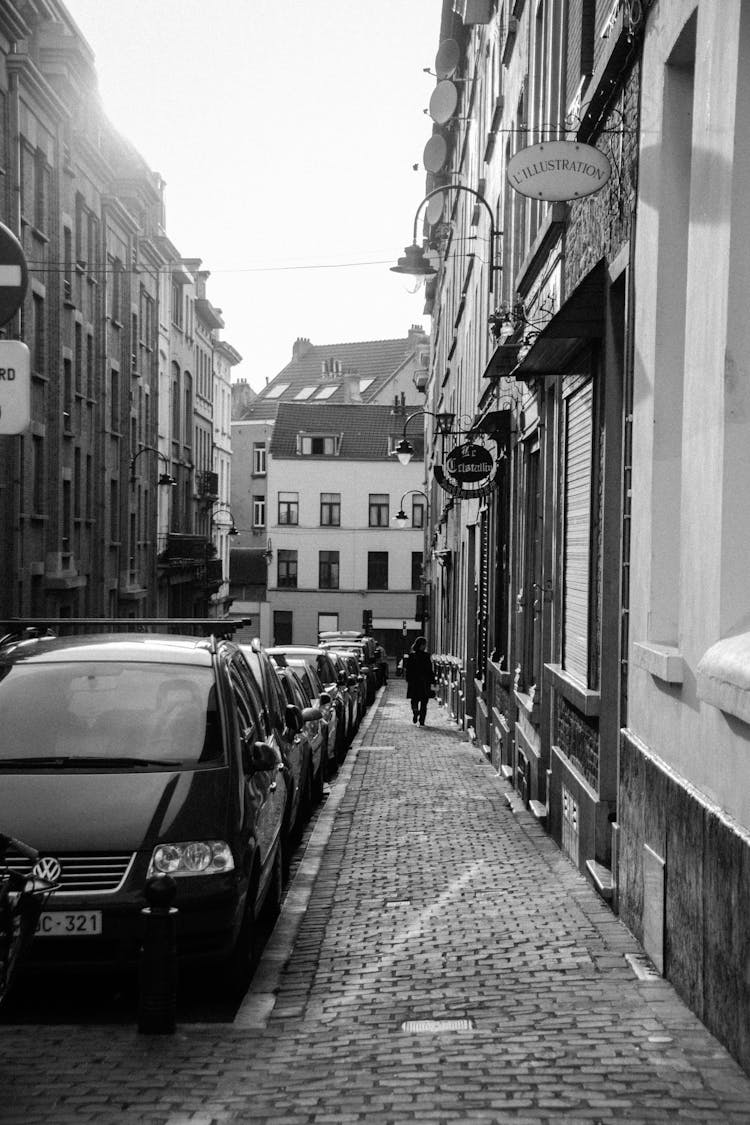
320, 779
272, 904
238, 969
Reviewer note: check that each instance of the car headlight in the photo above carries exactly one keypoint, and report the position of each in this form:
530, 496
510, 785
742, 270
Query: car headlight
194, 857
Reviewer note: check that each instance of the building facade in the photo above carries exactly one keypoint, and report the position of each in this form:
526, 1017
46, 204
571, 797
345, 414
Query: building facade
92, 522
589, 608
383, 373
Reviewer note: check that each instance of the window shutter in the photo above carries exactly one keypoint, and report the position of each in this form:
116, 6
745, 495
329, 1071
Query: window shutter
577, 536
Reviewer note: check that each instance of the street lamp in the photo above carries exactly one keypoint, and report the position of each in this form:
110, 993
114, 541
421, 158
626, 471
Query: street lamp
165, 478
415, 262
401, 519
404, 450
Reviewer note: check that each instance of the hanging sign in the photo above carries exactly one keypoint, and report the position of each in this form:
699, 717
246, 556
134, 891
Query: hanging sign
557, 170
469, 471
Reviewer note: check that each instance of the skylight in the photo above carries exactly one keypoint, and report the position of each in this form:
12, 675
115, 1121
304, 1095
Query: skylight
274, 392
326, 392
304, 393
364, 384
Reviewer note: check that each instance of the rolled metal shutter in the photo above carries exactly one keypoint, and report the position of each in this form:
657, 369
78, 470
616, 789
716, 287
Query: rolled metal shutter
577, 533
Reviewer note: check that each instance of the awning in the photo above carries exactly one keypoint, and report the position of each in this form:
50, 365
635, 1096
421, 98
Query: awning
502, 361
577, 322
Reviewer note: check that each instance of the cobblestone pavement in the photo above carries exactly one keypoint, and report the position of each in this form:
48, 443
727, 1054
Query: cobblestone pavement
422, 896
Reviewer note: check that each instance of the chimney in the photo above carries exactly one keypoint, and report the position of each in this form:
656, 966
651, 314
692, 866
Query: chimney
416, 335
352, 392
301, 347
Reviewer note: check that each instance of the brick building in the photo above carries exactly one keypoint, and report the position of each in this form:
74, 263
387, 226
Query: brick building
91, 523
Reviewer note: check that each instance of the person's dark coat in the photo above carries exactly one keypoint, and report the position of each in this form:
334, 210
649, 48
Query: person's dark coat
419, 675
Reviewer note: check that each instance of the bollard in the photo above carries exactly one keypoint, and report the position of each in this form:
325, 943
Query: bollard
157, 971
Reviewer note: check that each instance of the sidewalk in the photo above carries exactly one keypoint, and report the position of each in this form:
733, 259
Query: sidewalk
437, 960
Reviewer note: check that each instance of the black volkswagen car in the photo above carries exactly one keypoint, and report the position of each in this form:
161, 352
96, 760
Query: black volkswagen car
126, 756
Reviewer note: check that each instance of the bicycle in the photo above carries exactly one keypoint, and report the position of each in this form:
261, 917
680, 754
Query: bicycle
23, 895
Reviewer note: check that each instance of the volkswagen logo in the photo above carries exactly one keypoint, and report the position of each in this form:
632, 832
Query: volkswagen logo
48, 869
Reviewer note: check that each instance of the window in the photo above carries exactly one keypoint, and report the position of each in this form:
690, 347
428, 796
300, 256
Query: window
330, 509
289, 508
417, 512
114, 400
304, 393
259, 458
277, 391
326, 392
379, 509
287, 574
318, 445
328, 570
364, 384
259, 511
416, 570
377, 570
328, 622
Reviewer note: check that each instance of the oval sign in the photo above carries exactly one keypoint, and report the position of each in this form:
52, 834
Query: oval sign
469, 462
556, 170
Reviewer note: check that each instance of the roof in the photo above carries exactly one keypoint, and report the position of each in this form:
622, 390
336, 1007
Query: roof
329, 372
368, 433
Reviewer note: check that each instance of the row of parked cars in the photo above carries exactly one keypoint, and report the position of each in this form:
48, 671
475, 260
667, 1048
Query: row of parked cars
131, 757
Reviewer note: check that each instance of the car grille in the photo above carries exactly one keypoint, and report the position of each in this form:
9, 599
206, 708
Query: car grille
84, 874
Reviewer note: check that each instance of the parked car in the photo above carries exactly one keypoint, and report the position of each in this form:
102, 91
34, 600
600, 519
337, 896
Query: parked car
356, 682
313, 727
134, 755
368, 671
319, 699
370, 655
318, 659
287, 722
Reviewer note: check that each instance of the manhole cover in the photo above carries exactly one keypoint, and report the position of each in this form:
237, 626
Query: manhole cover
642, 967
425, 1027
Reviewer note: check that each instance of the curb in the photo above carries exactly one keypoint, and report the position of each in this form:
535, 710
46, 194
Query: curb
255, 1010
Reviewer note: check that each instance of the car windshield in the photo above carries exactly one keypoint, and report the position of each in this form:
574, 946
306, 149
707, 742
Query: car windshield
124, 713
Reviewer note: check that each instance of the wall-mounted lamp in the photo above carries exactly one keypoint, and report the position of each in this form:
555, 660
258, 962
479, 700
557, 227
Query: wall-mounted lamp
416, 263
268, 553
401, 519
404, 450
165, 478
222, 506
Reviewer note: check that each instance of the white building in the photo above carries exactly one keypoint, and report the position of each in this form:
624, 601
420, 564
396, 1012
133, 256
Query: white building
334, 489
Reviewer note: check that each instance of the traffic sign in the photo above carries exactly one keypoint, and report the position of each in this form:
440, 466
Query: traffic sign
14, 275
15, 387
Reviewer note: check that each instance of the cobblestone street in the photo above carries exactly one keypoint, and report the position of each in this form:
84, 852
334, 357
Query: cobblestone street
424, 896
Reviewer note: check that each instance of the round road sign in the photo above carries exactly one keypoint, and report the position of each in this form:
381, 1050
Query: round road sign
14, 275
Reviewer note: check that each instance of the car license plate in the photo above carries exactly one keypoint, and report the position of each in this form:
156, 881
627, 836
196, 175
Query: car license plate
69, 923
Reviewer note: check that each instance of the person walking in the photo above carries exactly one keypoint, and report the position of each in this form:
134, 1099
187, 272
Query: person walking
419, 679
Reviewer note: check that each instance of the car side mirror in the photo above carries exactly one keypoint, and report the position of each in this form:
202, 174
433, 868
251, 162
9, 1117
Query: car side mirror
260, 756
311, 715
293, 717
342, 678
352, 680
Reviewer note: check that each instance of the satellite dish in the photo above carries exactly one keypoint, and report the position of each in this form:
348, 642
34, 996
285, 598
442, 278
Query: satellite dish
435, 153
447, 58
443, 102
434, 210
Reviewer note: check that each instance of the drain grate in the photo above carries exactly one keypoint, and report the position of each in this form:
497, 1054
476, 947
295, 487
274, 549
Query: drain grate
426, 1027
642, 967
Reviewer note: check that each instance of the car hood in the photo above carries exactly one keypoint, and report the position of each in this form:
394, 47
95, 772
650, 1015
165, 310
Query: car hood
73, 811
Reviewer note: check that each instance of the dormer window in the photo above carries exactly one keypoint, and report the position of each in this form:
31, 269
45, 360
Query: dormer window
318, 445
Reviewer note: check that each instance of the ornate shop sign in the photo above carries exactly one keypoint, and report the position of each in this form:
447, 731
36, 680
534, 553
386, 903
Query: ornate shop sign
557, 170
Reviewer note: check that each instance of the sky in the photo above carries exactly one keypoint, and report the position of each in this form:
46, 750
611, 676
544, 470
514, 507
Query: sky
287, 132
